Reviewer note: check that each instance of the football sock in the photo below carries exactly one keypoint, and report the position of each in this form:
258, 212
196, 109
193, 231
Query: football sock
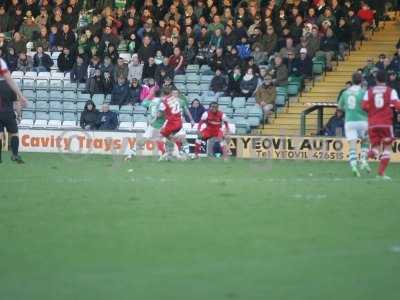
14, 145
1, 147
373, 153
197, 147
364, 152
179, 145
383, 163
353, 158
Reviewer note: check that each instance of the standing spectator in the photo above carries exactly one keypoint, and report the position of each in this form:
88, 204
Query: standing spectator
120, 92
65, 61
218, 84
66, 38
265, 96
42, 62
89, 116
177, 61
395, 63
328, 48
355, 27
249, 83
343, 34
121, 69
25, 62
79, 71
366, 15
135, 68
393, 82
107, 120
281, 72
196, 109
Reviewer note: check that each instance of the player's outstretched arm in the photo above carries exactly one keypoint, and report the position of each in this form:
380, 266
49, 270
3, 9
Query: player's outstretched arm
20, 98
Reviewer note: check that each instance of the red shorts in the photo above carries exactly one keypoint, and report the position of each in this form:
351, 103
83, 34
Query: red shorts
171, 127
210, 132
379, 135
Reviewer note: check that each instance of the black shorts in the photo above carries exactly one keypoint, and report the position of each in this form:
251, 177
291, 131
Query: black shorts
8, 120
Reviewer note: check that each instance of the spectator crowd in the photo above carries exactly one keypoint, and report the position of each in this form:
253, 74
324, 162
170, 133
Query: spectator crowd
129, 49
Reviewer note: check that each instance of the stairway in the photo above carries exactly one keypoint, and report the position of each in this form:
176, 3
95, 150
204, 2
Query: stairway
327, 88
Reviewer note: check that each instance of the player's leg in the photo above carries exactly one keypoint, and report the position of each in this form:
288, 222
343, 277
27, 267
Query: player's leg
385, 156
1, 143
12, 129
363, 135
351, 135
203, 136
375, 141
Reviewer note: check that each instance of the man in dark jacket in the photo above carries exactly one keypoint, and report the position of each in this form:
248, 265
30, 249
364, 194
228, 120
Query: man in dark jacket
65, 61
328, 47
79, 71
107, 120
218, 84
66, 37
302, 66
42, 62
146, 50
120, 92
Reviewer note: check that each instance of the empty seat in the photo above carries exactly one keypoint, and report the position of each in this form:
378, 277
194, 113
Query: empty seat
69, 106
240, 112
41, 119
126, 56
227, 110
28, 83
253, 121
140, 126
83, 97
56, 84
192, 96
30, 106
55, 106
206, 79
192, 69
114, 108
192, 78
54, 120
69, 86
193, 88
140, 118
204, 88
30, 75
69, 96
81, 87
255, 111
17, 74
42, 96
227, 101
138, 109
238, 102
180, 79
126, 109
69, 120
250, 100
54, 55
42, 106
80, 106
126, 122
57, 75
98, 99
30, 95
27, 119
55, 96
43, 75
206, 99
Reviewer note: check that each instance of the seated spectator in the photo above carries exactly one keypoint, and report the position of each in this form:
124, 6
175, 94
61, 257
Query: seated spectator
290, 62
328, 47
95, 84
107, 68
281, 72
120, 92
335, 125
243, 48
217, 60
43, 39
89, 116
134, 92
343, 34
135, 68
190, 51
18, 43
29, 28
65, 61
288, 48
149, 68
271, 40
148, 89
42, 62
4, 19
396, 125
53, 38
265, 96
234, 80
231, 59
79, 71
112, 53
302, 66
260, 57
177, 62
249, 83
218, 84
121, 69
196, 110
25, 62
107, 120
11, 59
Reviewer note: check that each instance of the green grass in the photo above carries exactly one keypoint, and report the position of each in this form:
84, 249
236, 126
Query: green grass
84, 227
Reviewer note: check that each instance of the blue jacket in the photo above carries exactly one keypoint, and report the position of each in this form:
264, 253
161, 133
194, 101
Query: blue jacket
107, 121
120, 94
244, 50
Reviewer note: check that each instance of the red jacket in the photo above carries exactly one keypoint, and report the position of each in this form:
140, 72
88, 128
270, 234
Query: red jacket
366, 15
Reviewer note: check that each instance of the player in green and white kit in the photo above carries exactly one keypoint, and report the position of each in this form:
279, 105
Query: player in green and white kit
356, 123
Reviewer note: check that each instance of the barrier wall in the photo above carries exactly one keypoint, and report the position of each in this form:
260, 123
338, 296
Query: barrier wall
258, 147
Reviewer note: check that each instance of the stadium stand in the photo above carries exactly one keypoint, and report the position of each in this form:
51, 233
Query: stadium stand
138, 43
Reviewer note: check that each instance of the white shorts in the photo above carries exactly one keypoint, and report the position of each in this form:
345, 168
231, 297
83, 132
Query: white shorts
356, 130
152, 133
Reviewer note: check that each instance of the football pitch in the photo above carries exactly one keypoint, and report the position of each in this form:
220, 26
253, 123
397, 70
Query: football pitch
95, 227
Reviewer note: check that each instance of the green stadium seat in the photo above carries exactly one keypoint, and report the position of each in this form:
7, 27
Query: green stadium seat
28, 84
69, 106
30, 95
240, 112
83, 97
238, 102
56, 84
206, 99
42, 106
41, 119
126, 109
180, 79
55, 95
42, 95
55, 106
114, 108
98, 99
139, 109
80, 106
70, 86
55, 120
225, 100
206, 79
42, 84
255, 112
27, 120
69, 96
192, 78
193, 88
253, 121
